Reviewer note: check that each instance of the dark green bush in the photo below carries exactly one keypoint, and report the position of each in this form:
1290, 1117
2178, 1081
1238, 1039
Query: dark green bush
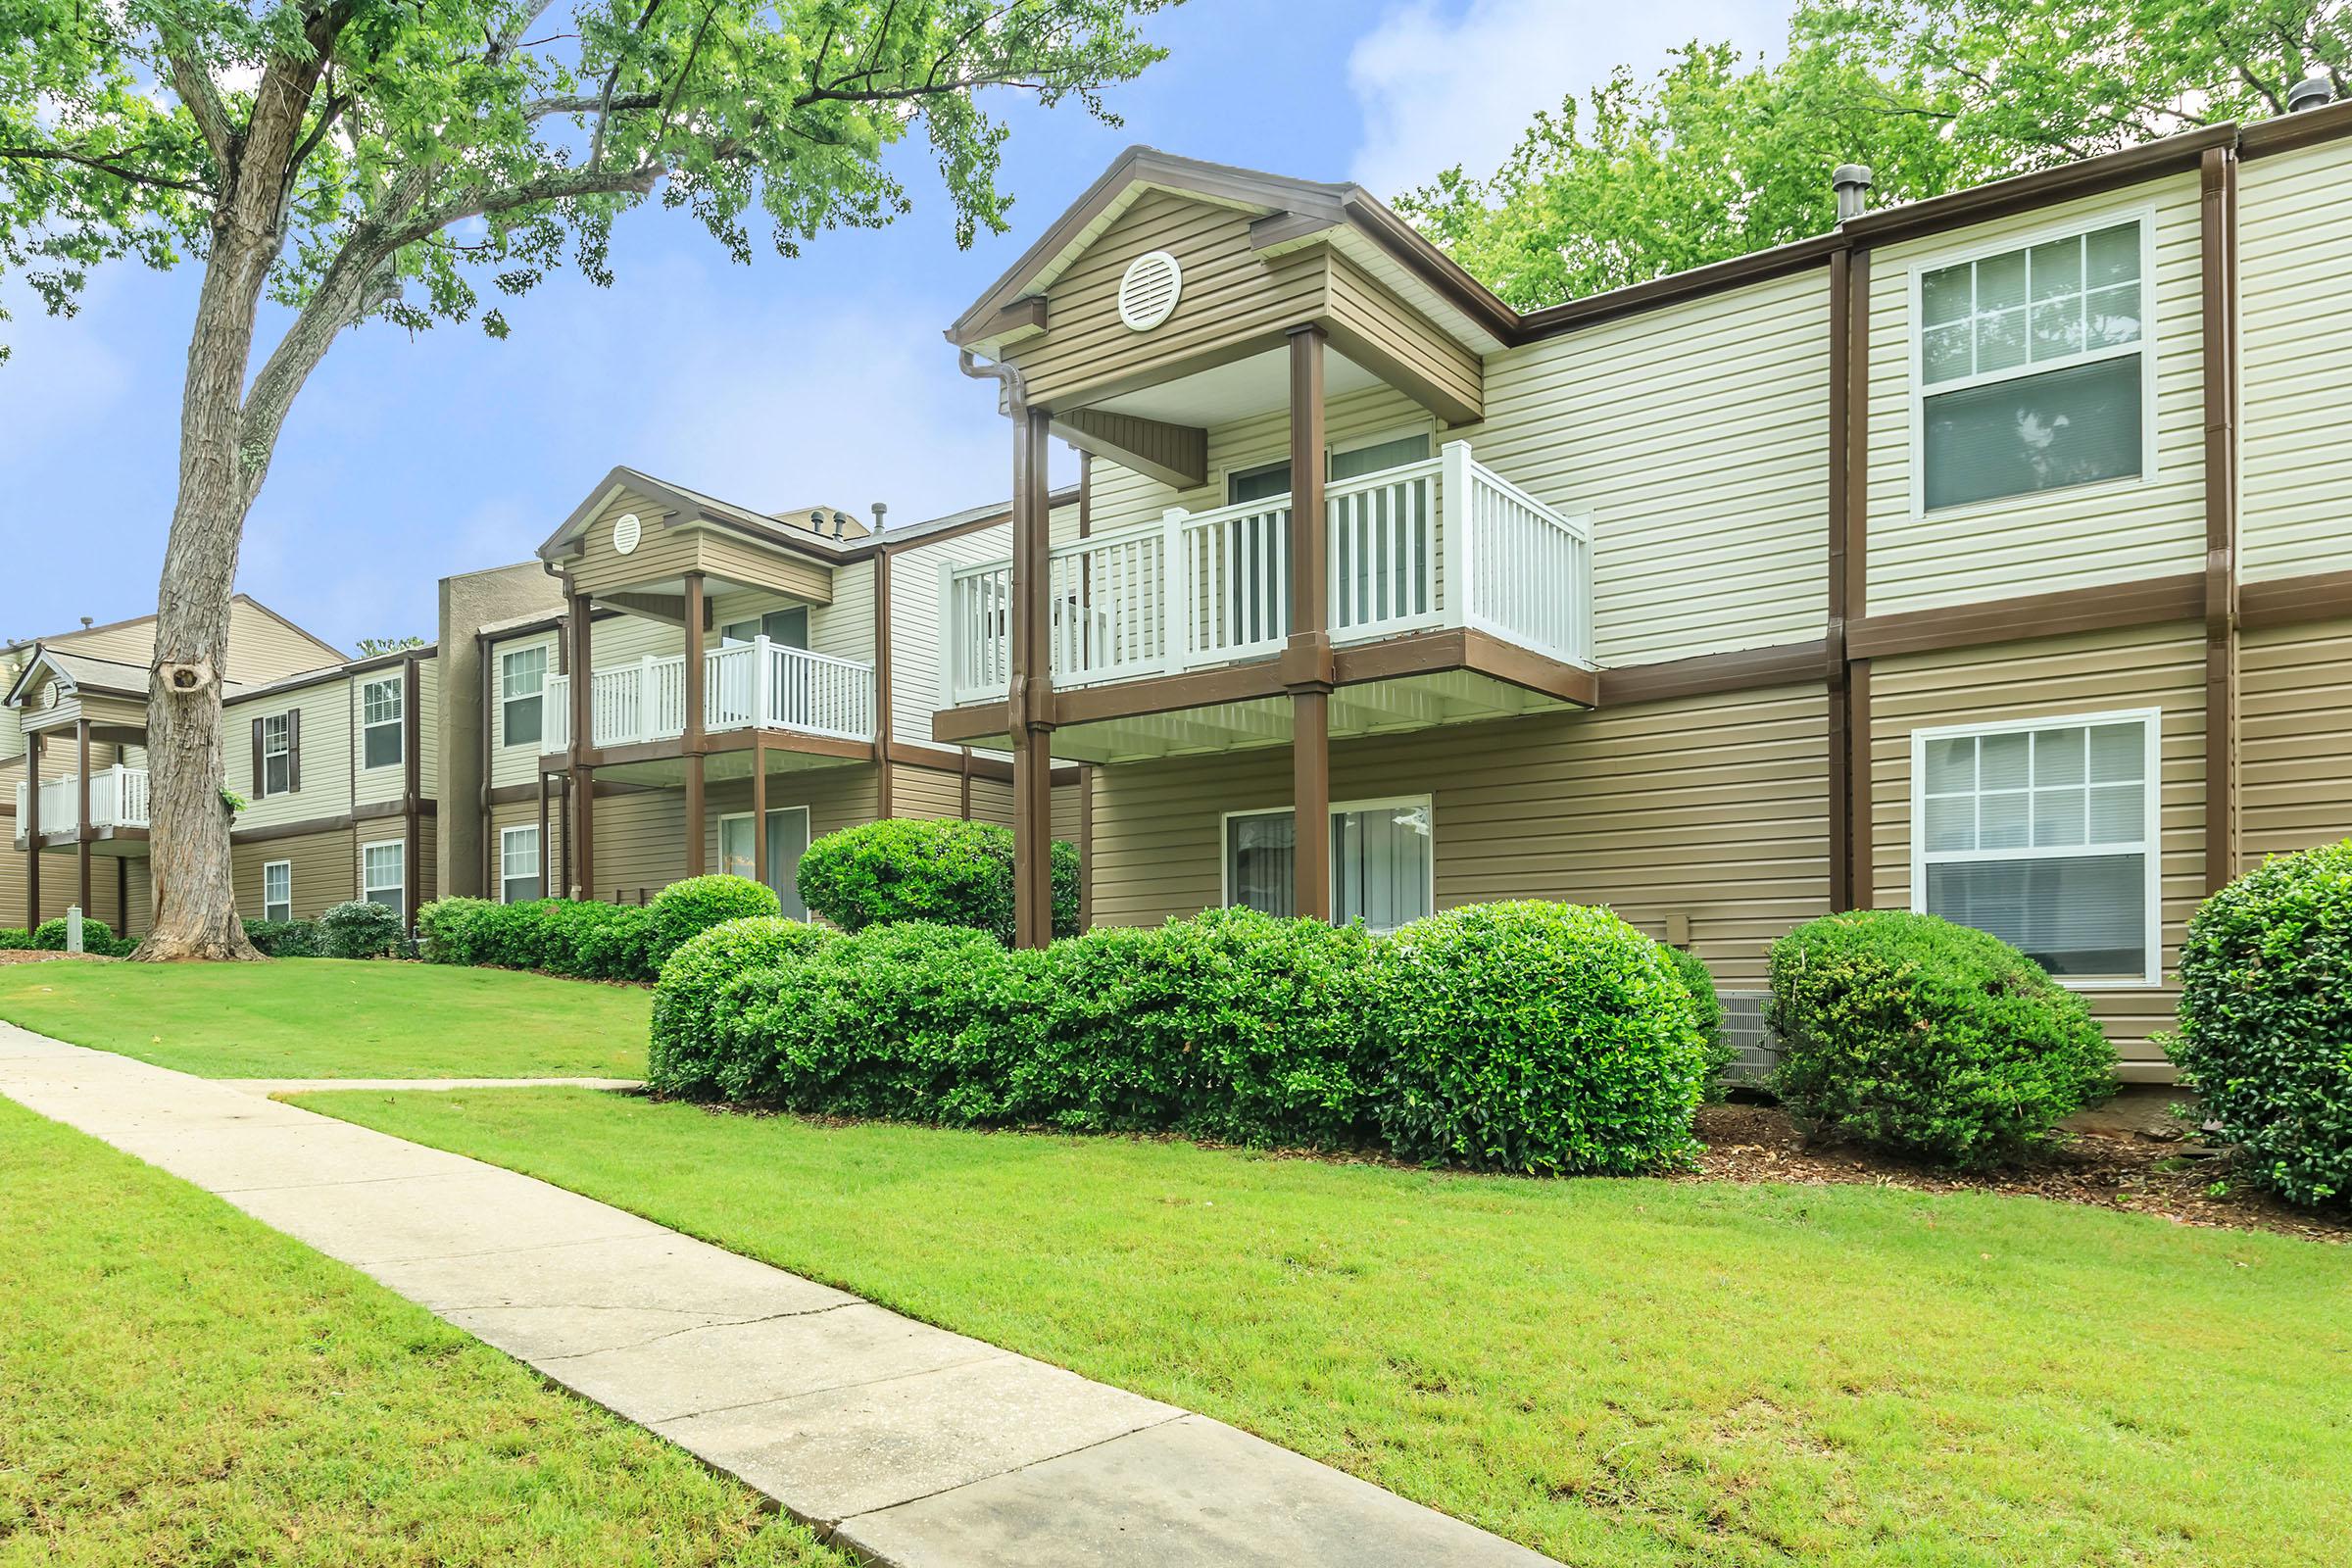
96, 936
685, 909
449, 929
949, 871
14, 939
1233, 1025
284, 939
359, 929
907, 1021
578, 938
2266, 1020
692, 1035
1910, 1032
1706, 1014
1537, 1037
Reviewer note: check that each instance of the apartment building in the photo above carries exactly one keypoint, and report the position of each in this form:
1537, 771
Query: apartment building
73, 715
1987, 556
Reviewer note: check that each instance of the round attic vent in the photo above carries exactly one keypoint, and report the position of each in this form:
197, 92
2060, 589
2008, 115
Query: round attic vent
626, 531
1148, 290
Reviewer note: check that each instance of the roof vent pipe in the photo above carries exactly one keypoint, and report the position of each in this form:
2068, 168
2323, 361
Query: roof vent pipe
1852, 182
2312, 92
880, 507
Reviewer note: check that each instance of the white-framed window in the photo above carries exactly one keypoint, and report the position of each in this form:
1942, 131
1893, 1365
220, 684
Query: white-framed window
786, 628
2032, 365
1383, 866
278, 890
521, 693
519, 879
380, 710
1390, 449
787, 839
2045, 832
383, 874
278, 754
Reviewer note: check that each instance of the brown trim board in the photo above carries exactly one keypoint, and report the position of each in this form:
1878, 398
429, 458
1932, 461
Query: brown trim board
2148, 602
2296, 600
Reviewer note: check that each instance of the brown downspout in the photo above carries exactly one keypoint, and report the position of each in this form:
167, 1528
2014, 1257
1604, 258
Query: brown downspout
967, 781
760, 867
32, 829
696, 805
547, 850
122, 895
1086, 771
82, 831
883, 792
487, 870
2217, 190
1847, 679
412, 799
1306, 663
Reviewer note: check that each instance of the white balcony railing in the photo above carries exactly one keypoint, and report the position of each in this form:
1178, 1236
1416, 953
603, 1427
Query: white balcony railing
1444, 542
745, 685
118, 799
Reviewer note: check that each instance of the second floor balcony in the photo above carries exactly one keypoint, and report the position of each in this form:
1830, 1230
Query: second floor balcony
1446, 542
117, 800
753, 685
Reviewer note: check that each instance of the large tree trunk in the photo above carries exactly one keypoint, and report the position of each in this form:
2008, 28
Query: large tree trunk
196, 910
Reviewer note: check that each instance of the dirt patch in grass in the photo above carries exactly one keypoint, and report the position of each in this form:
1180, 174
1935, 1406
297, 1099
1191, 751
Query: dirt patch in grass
2113, 1164
35, 955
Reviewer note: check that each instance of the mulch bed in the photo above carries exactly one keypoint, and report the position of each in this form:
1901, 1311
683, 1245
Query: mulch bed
2162, 1176
31, 955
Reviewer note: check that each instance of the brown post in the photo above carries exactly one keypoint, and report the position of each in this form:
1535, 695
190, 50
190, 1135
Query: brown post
546, 851
32, 828
412, 801
1307, 660
81, 817
882, 680
1032, 692
2217, 184
696, 824
579, 844
759, 808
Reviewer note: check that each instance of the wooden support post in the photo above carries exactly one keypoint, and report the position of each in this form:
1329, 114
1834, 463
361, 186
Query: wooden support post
546, 851
412, 799
1307, 659
579, 844
82, 831
884, 783
760, 865
2218, 303
696, 823
1032, 692
32, 828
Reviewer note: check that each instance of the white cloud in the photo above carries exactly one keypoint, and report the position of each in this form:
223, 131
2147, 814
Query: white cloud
1447, 84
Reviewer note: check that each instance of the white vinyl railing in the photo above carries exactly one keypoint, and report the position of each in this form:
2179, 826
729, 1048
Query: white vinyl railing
745, 685
1443, 542
118, 799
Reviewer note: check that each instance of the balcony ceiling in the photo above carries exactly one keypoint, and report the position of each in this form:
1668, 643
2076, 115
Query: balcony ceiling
1257, 384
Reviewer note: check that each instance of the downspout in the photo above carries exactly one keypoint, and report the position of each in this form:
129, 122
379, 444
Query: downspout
481, 787
1012, 397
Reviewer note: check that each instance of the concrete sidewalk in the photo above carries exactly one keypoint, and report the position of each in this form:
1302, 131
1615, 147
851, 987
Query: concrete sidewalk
905, 1443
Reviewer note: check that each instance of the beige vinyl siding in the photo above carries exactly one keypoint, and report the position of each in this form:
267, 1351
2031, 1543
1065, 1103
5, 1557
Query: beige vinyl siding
2146, 666
1713, 808
140, 883
914, 612
2294, 243
133, 642
1229, 294
2073, 538
844, 628
428, 726
924, 793
377, 785
525, 814
261, 646
1365, 309
627, 639
1123, 498
325, 870
517, 765
667, 552
2295, 738
1697, 436
327, 774
1067, 805
991, 800
835, 797
60, 887
385, 830
640, 844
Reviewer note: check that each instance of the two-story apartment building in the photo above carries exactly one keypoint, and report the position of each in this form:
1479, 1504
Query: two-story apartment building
1987, 556
73, 713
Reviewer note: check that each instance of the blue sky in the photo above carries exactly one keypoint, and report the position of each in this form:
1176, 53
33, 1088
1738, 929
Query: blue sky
823, 379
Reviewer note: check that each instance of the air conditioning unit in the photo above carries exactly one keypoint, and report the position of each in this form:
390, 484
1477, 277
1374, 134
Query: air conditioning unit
1744, 1030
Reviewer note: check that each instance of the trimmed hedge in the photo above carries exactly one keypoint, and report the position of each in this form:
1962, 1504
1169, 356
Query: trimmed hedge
583, 939
2266, 1020
1530, 1036
361, 929
949, 871
96, 937
285, 939
1538, 1037
14, 939
1910, 1032
686, 910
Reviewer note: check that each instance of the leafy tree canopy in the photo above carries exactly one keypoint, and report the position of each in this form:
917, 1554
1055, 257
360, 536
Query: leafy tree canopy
375, 647
1717, 156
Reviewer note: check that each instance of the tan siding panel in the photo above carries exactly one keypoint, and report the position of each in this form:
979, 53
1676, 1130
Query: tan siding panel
326, 736
2295, 738
326, 871
515, 764
925, 793
640, 844
2295, 357
1371, 311
261, 646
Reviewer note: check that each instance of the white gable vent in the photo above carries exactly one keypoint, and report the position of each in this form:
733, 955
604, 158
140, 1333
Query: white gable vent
1148, 290
626, 531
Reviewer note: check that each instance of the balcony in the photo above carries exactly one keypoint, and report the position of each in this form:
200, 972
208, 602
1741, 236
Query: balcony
118, 799
755, 685
1446, 543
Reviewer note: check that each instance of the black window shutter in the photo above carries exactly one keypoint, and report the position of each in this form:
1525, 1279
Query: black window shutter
293, 750
258, 783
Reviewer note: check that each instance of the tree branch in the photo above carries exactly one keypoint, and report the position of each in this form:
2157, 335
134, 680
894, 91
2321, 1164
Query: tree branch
64, 155
194, 85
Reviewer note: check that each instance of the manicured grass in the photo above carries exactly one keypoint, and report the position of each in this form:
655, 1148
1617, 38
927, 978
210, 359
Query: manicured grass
1613, 1371
179, 1384
336, 1018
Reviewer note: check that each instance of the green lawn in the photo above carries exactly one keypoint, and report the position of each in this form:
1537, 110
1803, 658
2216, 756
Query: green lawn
1613, 1371
182, 1384
336, 1018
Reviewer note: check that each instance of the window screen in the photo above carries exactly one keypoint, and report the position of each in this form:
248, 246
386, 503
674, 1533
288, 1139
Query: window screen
1380, 863
521, 683
519, 865
278, 890
379, 720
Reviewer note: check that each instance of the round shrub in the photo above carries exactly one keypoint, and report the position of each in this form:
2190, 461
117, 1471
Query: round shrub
284, 939
1910, 1032
907, 1021
359, 929
96, 936
690, 1035
947, 871
685, 909
2266, 1020
1537, 1037
1233, 1025
1706, 1014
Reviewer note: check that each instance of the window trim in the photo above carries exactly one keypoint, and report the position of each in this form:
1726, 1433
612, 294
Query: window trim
285, 725
1427, 803
1915, 367
398, 722
269, 866
538, 859
400, 849
2151, 722
506, 697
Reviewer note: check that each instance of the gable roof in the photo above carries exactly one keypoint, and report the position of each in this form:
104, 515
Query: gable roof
79, 672
694, 506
